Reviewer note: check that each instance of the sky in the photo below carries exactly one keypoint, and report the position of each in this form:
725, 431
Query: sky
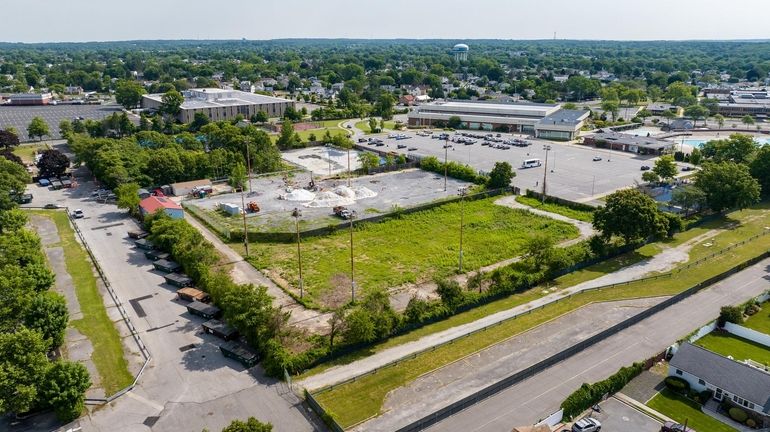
110, 20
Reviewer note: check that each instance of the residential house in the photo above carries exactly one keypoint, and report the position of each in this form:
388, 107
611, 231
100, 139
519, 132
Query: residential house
73, 90
152, 204
733, 382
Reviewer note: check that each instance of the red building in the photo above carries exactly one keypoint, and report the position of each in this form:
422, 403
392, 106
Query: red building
31, 99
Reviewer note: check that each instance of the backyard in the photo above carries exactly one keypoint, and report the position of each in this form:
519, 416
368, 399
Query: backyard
27, 151
739, 348
353, 402
411, 248
684, 410
760, 321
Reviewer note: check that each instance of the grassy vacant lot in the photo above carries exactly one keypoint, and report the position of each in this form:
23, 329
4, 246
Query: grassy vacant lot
737, 347
363, 398
581, 215
412, 248
331, 125
95, 324
27, 151
680, 409
364, 125
760, 321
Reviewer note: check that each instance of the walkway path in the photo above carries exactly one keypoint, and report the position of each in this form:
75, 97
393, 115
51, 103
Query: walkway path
243, 272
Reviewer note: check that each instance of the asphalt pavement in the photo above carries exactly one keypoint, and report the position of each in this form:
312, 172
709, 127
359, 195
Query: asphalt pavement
539, 396
19, 117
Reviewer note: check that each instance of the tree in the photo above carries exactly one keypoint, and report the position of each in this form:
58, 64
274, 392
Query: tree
373, 125
681, 94
171, 103
8, 139
738, 148
250, 425
259, 117
64, 389
720, 119
13, 180
38, 128
727, 185
238, 176
454, 122
665, 167
450, 291
612, 107
12, 220
359, 326
288, 138
47, 313
697, 112
760, 169
747, 120
650, 177
688, 197
127, 195
368, 160
129, 93
631, 215
539, 248
501, 176
53, 163
65, 128
384, 106
9, 155
668, 115
23, 366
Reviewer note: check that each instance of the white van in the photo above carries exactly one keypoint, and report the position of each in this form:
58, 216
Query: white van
530, 163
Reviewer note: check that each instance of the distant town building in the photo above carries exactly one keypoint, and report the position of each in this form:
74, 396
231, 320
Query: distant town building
220, 104
460, 52
658, 108
73, 90
745, 102
30, 99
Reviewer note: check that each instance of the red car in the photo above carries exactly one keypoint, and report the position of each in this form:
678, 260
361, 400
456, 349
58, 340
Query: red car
675, 427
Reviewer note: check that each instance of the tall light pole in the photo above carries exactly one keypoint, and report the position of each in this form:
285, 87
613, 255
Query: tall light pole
352, 279
547, 148
297, 213
463, 192
348, 166
245, 231
446, 150
248, 164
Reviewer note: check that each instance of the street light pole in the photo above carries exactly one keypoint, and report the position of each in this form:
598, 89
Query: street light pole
245, 231
547, 148
463, 192
352, 280
348, 166
446, 150
297, 213
248, 163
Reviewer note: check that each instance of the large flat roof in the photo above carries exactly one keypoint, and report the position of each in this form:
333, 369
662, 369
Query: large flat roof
564, 117
636, 140
504, 106
216, 97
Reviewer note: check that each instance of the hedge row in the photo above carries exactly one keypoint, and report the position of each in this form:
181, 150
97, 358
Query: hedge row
590, 394
454, 170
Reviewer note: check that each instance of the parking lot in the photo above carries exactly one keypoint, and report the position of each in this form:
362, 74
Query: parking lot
572, 171
616, 416
19, 117
404, 189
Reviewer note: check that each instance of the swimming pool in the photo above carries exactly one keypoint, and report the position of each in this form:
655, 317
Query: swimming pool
698, 142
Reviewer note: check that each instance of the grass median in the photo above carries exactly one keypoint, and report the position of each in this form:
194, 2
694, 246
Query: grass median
96, 325
364, 125
359, 400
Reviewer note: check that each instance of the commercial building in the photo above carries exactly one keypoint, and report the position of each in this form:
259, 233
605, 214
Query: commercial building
740, 103
542, 120
220, 104
630, 143
152, 204
30, 99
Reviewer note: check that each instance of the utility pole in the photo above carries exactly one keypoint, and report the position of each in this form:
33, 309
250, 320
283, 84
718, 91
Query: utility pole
248, 164
348, 166
245, 231
547, 148
297, 213
352, 280
463, 192
446, 150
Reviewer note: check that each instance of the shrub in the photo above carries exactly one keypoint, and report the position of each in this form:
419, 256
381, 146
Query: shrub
589, 394
677, 384
738, 414
733, 314
751, 423
751, 309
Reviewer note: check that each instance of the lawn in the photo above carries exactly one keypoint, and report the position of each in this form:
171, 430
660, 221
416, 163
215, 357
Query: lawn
682, 409
108, 355
760, 321
413, 248
739, 348
27, 151
581, 215
364, 125
356, 401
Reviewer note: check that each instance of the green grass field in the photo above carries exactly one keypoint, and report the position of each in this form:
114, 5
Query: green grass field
356, 401
739, 348
760, 321
413, 248
581, 215
682, 409
364, 125
96, 325
27, 151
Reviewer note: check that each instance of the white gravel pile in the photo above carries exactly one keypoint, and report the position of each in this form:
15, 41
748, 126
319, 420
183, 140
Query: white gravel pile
299, 195
330, 199
362, 192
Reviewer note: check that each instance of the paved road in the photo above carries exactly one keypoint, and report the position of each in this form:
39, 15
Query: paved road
537, 397
188, 385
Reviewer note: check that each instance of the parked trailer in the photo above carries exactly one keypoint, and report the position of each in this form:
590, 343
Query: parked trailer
243, 353
166, 266
193, 294
144, 244
155, 255
204, 310
178, 280
220, 329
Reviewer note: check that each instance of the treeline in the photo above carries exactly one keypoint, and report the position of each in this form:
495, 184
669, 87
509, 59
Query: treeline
151, 158
32, 318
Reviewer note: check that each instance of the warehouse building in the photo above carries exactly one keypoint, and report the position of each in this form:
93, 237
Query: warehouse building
30, 99
542, 120
220, 104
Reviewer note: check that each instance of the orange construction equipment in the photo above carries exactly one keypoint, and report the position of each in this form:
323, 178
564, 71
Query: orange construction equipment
253, 207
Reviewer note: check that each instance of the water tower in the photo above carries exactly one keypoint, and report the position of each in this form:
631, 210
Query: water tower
461, 52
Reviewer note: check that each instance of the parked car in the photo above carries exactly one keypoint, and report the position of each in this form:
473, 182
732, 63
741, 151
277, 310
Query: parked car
412, 149
675, 427
687, 168
362, 140
401, 146
588, 424
645, 168
78, 214
597, 158
51, 206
